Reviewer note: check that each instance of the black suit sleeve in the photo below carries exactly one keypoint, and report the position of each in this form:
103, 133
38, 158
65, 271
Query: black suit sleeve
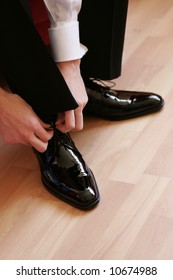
27, 64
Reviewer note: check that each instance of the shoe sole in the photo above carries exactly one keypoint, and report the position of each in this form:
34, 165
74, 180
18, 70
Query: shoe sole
126, 117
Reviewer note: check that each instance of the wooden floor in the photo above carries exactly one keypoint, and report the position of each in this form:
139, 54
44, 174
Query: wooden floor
132, 161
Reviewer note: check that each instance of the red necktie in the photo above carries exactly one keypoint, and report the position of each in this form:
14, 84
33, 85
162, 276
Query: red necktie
40, 18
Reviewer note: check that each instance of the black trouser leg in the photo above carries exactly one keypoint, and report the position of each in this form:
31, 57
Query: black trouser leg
102, 30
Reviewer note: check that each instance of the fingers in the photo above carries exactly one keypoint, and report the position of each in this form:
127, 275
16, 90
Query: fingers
43, 134
60, 122
66, 121
38, 144
70, 121
78, 120
40, 137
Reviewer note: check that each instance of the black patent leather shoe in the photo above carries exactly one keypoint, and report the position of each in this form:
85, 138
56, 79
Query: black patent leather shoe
105, 102
65, 174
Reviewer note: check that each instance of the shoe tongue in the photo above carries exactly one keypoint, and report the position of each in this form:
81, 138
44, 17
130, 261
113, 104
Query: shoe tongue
96, 84
64, 137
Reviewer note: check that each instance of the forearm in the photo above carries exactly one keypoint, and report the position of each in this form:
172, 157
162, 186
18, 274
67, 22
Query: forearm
67, 52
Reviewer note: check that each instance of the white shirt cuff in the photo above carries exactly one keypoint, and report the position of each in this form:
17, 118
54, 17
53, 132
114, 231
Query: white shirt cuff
65, 42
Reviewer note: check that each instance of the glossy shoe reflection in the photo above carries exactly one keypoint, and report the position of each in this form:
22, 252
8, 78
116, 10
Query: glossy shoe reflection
111, 104
65, 174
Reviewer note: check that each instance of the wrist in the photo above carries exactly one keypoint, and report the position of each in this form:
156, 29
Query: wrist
71, 64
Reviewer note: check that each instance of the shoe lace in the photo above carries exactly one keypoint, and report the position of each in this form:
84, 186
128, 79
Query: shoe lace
106, 83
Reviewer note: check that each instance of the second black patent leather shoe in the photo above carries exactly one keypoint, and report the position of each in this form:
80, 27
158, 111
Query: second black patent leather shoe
65, 174
111, 104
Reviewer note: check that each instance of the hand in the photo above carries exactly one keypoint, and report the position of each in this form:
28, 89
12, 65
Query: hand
19, 123
73, 119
